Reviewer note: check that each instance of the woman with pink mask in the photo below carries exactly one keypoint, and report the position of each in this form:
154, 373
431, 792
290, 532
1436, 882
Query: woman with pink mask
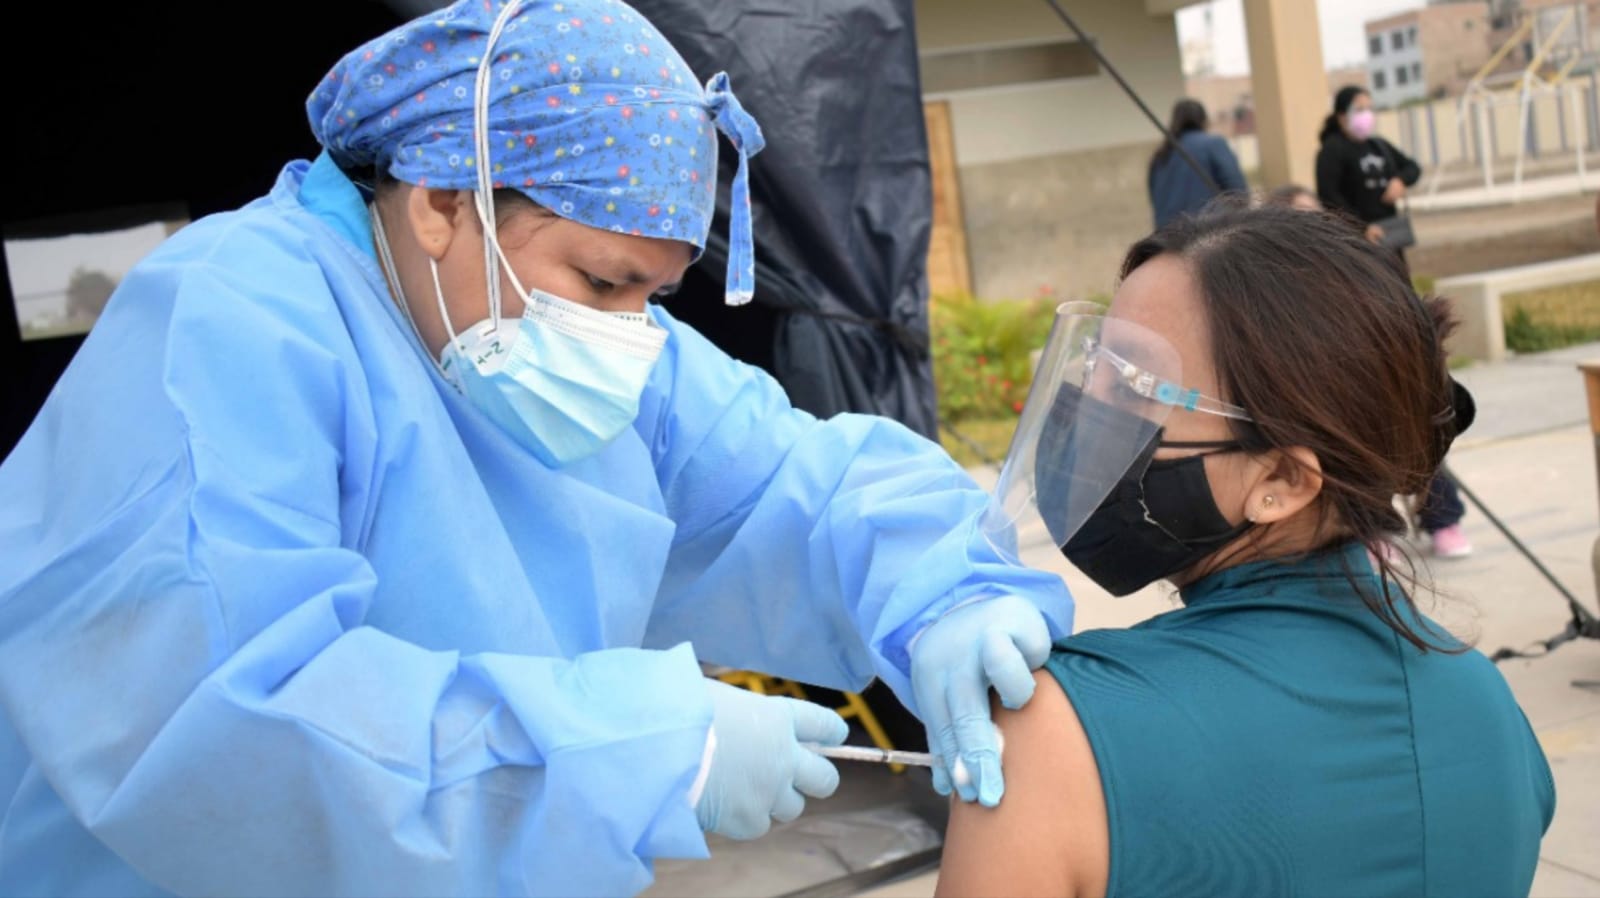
1357, 172
1364, 176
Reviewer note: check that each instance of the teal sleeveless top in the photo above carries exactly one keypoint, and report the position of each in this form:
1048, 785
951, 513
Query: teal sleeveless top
1274, 738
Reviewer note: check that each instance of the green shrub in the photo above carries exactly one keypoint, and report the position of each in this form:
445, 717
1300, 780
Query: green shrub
1539, 320
981, 354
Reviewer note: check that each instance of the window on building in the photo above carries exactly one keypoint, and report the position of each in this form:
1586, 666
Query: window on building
1411, 35
1379, 80
1397, 40
966, 69
1416, 72
1375, 45
1401, 76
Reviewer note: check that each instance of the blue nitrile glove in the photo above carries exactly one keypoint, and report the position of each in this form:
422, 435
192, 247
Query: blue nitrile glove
759, 771
995, 642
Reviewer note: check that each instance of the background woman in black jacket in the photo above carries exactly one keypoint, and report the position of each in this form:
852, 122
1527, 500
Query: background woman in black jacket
1357, 172
1364, 176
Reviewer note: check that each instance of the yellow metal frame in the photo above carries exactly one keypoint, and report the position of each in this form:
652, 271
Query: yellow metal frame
855, 707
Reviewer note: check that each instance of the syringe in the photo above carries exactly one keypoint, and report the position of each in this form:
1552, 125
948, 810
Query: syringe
872, 755
891, 756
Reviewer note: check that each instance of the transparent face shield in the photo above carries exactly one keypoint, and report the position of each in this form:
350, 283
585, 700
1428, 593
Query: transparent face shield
1103, 390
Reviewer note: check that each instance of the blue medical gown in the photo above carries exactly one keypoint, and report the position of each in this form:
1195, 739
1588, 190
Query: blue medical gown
281, 614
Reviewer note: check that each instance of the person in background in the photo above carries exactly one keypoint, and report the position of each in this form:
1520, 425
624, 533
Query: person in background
1175, 187
1359, 173
1299, 726
1293, 196
1364, 176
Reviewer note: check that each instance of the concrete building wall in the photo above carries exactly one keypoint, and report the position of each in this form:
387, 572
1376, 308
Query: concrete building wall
1428, 52
1455, 44
1559, 121
1017, 122
1394, 59
1052, 174
1055, 225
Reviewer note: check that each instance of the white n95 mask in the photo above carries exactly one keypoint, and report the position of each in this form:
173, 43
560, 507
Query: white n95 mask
564, 381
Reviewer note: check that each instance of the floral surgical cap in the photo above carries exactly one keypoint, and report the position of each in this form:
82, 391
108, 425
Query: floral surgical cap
591, 113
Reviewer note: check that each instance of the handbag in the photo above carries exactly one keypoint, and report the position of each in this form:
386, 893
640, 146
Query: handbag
1397, 232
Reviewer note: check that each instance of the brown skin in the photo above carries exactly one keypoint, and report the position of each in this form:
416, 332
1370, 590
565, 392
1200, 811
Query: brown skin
596, 268
1053, 793
1307, 202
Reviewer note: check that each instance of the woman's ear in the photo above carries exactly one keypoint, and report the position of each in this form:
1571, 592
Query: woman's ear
1292, 482
437, 217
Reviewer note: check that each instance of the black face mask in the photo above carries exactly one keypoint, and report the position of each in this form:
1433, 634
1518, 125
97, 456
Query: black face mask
1159, 519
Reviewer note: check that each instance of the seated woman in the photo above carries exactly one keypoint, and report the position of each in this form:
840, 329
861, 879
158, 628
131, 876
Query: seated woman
1298, 727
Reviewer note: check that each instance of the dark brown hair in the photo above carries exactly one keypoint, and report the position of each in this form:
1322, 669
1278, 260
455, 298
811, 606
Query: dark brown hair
1342, 101
1187, 115
1318, 333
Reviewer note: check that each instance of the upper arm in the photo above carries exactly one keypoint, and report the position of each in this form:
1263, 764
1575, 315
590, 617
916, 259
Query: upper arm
1226, 165
1410, 172
1328, 174
1050, 834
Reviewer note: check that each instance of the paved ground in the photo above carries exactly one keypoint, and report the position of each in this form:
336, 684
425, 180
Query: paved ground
1464, 240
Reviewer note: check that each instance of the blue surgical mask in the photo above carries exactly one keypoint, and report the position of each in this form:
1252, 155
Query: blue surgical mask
564, 381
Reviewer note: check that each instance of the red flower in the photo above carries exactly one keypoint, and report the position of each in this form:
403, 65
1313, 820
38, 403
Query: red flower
553, 102
366, 56
655, 94
577, 23
421, 97
627, 112
499, 185
694, 176
530, 140
1005, 385
983, 360
427, 46
528, 183
606, 19
555, 68
622, 171
611, 99
644, 50
388, 68
1017, 407
654, 211
672, 114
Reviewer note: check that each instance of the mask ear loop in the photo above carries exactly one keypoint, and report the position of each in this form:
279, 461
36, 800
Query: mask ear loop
493, 258
438, 293
386, 256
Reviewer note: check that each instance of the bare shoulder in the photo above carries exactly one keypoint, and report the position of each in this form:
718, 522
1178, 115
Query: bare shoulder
1049, 835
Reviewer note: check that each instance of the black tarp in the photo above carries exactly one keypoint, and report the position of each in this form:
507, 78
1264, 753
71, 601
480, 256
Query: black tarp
841, 196
180, 103
203, 113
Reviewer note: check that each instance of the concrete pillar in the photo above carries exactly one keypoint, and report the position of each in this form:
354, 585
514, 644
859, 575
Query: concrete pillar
1290, 86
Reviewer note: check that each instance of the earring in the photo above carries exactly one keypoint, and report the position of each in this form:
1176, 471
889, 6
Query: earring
1266, 505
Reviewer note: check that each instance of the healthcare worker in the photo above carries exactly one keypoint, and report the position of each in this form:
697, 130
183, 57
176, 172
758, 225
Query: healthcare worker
372, 541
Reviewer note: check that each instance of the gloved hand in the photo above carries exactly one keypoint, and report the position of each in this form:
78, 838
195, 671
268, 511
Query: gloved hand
996, 642
759, 771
